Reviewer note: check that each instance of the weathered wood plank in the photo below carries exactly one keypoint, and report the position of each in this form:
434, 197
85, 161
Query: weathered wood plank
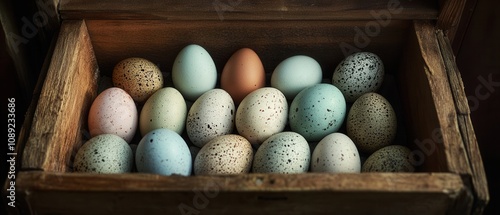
247, 10
478, 177
69, 88
374, 193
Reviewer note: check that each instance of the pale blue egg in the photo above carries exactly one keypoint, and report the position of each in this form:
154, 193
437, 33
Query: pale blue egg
317, 111
163, 151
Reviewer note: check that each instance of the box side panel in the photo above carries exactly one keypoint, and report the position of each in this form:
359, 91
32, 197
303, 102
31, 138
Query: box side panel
371, 193
70, 86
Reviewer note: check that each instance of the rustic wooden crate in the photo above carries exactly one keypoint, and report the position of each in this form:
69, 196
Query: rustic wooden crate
414, 45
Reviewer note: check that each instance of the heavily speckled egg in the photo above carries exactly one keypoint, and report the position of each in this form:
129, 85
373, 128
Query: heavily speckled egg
261, 114
166, 108
393, 158
211, 115
336, 153
163, 151
371, 122
138, 77
105, 153
227, 154
242, 74
317, 111
113, 112
194, 72
296, 73
286, 152
358, 74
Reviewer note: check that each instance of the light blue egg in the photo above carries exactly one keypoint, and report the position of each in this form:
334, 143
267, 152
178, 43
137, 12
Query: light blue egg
317, 111
163, 151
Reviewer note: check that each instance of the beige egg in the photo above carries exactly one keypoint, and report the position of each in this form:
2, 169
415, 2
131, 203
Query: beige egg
393, 158
371, 122
223, 155
138, 77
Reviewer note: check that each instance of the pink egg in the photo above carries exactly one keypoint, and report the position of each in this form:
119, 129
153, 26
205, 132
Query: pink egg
113, 112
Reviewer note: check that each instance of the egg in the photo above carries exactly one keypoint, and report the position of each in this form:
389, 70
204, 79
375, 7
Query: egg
105, 153
242, 74
371, 122
261, 114
166, 108
211, 115
336, 153
358, 74
223, 155
163, 151
393, 158
138, 77
317, 111
113, 111
296, 73
286, 152
194, 72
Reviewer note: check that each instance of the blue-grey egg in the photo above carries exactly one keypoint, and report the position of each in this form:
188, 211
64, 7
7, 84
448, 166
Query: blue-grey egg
317, 111
358, 74
105, 153
163, 151
286, 152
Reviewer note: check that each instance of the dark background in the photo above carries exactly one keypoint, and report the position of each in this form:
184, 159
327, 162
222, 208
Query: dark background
478, 56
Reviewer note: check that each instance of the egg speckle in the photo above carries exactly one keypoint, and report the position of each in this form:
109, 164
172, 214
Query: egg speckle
138, 77
317, 111
113, 112
358, 74
227, 154
285, 152
371, 122
211, 115
261, 114
105, 153
393, 158
336, 153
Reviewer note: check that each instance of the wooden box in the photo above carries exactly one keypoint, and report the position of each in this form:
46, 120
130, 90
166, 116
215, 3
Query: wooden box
411, 37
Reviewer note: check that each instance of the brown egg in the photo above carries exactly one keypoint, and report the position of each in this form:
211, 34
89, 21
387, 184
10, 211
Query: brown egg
242, 74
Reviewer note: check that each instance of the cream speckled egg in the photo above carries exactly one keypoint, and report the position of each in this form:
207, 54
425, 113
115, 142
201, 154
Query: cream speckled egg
211, 115
393, 158
261, 114
166, 108
286, 152
105, 153
336, 153
358, 74
113, 112
227, 154
371, 122
138, 77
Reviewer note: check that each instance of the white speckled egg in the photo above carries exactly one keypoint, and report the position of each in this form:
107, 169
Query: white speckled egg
113, 112
138, 77
163, 151
166, 108
371, 122
286, 152
194, 72
105, 153
336, 153
393, 158
317, 111
358, 74
296, 73
261, 114
227, 154
211, 115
